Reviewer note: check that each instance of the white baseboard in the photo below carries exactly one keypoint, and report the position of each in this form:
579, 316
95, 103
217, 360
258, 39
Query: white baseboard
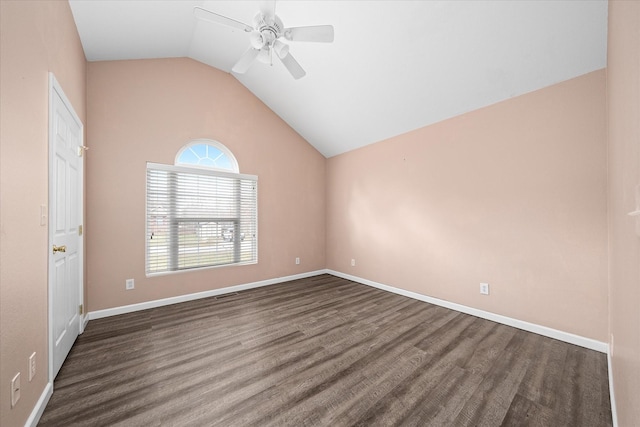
612, 397
520, 324
509, 321
38, 410
190, 297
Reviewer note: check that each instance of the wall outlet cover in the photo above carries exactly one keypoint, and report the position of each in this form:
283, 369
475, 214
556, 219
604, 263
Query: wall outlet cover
484, 288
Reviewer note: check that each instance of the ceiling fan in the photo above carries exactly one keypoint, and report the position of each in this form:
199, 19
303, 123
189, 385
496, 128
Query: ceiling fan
266, 32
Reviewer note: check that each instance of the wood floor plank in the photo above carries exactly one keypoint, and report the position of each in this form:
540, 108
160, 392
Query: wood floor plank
543, 378
322, 351
373, 387
477, 366
526, 413
341, 363
491, 400
441, 356
581, 397
437, 405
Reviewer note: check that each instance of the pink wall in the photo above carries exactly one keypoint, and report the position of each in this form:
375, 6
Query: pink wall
146, 110
35, 37
513, 194
623, 82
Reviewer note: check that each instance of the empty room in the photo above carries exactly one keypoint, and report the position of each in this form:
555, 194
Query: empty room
319, 213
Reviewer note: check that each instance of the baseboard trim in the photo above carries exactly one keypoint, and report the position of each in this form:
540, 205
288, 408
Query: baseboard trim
612, 397
190, 297
38, 410
509, 321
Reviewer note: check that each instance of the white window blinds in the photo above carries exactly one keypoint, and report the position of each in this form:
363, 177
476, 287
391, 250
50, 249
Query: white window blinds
199, 218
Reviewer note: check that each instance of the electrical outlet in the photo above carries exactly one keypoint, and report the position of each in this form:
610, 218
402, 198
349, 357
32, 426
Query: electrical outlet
15, 390
484, 288
297, 261
32, 366
353, 262
130, 284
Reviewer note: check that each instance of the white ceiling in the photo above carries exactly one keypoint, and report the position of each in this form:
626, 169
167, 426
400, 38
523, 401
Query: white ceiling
394, 66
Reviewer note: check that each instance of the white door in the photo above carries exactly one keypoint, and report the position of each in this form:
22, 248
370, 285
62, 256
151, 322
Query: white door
65, 225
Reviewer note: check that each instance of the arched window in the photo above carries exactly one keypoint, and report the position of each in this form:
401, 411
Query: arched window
200, 212
207, 153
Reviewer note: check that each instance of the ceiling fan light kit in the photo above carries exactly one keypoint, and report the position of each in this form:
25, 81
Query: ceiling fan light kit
265, 37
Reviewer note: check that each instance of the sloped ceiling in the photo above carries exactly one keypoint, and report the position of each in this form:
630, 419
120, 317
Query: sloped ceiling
394, 66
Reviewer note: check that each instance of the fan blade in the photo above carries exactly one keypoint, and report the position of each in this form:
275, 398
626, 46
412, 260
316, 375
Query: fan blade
318, 33
207, 15
294, 68
245, 61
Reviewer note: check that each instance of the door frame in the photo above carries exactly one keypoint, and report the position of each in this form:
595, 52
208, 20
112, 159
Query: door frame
56, 90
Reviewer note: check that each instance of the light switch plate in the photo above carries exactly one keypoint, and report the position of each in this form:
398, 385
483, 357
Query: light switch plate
15, 390
32, 366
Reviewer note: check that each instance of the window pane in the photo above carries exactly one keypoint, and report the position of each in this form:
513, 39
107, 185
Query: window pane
188, 157
213, 152
200, 150
203, 244
207, 155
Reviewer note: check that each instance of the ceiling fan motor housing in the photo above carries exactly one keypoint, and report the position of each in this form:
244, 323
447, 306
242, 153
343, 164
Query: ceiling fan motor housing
268, 30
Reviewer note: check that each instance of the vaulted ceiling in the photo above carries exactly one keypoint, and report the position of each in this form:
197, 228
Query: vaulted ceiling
394, 66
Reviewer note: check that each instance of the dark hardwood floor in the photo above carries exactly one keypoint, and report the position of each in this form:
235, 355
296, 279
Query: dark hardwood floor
322, 351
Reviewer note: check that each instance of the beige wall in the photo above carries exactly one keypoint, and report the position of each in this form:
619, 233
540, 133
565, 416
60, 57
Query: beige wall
513, 194
623, 83
146, 110
36, 37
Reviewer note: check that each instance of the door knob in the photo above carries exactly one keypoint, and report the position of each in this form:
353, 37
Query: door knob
62, 248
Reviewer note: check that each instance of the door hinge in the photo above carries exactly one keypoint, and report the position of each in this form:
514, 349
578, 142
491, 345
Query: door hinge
80, 309
79, 230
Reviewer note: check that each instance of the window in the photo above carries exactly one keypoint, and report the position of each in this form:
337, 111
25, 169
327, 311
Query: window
208, 154
200, 217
